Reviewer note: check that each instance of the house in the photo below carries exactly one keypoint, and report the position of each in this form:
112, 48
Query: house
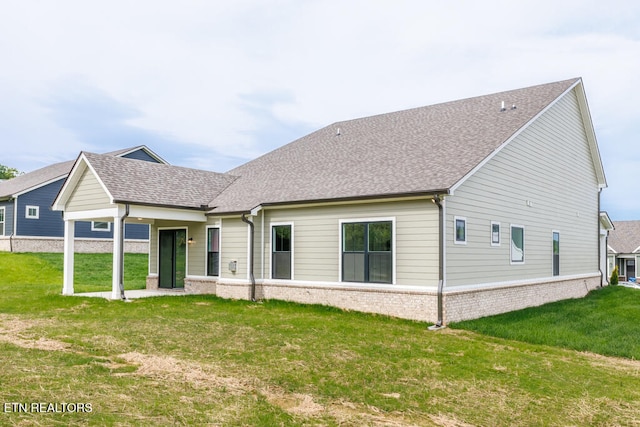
440, 213
624, 249
27, 223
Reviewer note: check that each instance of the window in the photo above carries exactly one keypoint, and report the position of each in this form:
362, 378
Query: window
281, 239
367, 252
32, 212
556, 253
460, 230
495, 233
517, 244
213, 251
2, 231
100, 226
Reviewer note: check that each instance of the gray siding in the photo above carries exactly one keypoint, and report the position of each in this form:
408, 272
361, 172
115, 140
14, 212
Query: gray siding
549, 164
316, 243
234, 240
88, 194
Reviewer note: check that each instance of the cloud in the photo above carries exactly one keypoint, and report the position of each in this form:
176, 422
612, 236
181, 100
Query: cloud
213, 84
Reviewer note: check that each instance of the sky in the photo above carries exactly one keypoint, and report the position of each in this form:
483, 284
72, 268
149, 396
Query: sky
213, 84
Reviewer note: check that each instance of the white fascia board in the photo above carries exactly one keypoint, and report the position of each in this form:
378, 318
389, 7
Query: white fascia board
156, 213
636, 250
72, 181
106, 214
514, 136
591, 134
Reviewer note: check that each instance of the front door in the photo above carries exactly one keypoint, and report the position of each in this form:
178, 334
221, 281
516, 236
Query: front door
172, 258
631, 269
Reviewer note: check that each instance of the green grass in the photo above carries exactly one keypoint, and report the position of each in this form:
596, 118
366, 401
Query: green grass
201, 360
606, 322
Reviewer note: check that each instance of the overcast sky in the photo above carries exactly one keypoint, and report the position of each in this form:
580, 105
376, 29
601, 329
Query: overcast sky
213, 84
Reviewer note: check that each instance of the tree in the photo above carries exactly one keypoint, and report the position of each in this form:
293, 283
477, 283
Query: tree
614, 276
7, 173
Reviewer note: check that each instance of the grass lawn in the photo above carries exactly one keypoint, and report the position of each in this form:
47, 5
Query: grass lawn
200, 360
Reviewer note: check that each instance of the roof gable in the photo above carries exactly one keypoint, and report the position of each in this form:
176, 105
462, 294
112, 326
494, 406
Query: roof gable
625, 237
48, 174
417, 151
145, 183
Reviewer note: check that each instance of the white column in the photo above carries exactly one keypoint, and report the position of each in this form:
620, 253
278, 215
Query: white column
117, 263
69, 234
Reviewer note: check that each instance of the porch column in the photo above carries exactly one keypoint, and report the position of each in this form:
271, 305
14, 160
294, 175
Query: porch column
69, 234
118, 261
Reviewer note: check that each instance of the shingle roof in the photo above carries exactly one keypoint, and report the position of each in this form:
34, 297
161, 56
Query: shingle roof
147, 183
30, 180
625, 238
420, 150
47, 174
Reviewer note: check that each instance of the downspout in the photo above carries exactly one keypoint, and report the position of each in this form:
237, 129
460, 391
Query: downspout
599, 246
438, 201
251, 276
121, 254
11, 242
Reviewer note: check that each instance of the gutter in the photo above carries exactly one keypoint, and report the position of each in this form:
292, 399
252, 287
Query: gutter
121, 253
251, 234
439, 202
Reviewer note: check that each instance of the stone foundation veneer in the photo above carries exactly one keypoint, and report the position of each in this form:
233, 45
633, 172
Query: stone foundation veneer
56, 245
475, 303
407, 304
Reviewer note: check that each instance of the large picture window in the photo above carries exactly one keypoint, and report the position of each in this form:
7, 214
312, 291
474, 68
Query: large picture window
281, 252
213, 251
367, 252
517, 244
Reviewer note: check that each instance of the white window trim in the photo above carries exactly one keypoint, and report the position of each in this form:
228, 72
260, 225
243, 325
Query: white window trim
26, 212
455, 229
3, 223
93, 226
393, 246
275, 224
206, 249
186, 229
524, 244
491, 233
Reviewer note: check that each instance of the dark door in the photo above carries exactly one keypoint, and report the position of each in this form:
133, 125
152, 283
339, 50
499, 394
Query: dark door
631, 269
172, 258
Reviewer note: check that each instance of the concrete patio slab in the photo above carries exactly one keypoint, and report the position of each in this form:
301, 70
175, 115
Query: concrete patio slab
133, 294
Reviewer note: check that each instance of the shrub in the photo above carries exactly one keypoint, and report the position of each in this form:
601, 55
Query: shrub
614, 276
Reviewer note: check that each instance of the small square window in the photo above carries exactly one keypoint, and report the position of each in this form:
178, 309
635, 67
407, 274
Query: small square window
495, 233
460, 230
32, 212
100, 226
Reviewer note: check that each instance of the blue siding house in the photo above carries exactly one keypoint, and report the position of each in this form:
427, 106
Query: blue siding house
28, 224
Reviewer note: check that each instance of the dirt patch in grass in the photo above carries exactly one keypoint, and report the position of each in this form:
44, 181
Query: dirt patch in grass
14, 330
170, 368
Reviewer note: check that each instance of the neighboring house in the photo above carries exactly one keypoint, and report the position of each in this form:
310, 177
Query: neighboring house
440, 213
27, 223
624, 249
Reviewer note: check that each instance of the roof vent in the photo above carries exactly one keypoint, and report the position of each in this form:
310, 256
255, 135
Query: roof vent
338, 132
513, 107
502, 107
